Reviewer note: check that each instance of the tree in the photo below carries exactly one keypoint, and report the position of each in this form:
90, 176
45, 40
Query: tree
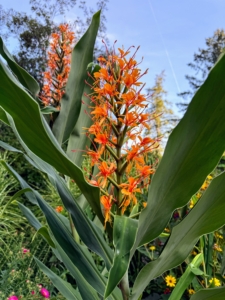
35, 30
204, 60
161, 122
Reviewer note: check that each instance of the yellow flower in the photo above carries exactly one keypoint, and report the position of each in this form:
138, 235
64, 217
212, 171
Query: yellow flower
152, 248
191, 291
204, 186
214, 281
198, 195
217, 248
191, 205
209, 177
170, 280
219, 236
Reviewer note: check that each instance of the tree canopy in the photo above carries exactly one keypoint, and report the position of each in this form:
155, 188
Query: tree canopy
204, 59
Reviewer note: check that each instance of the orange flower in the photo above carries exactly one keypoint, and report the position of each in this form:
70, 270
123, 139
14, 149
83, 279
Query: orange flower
145, 171
118, 122
129, 190
59, 209
107, 204
105, 172
56, 76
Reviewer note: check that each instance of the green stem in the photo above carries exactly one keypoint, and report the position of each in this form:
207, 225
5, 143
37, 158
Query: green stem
135, 215
72, 227
74, 232
112, 152
203, 261
124, 286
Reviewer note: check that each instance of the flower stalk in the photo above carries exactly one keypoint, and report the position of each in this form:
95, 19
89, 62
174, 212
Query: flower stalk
120, 151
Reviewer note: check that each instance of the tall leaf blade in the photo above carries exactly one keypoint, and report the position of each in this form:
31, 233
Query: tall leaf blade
37, 136
124, 234
210, 294
78, 140
64, 287
206, 216
79, 256
186, 279
71, 102
24, 78
89, 233
193, 150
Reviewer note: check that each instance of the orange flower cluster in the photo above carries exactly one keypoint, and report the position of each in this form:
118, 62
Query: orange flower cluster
119, 118
59, 58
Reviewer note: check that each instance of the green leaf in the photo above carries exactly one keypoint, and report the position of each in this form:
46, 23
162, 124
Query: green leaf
124, 234
210, 294
9, 147
3, 116
78, 141
64, 287
186, 279
36, 224
15, 196
79, 256
22, 182
44, 232
89, 233
30, 216
193, 150
206, 216
48, 110
64, 238
71, 101
37, 136
24, 78
196, 271
85, 289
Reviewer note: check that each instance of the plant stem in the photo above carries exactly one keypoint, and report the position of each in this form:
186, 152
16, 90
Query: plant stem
74, 232
124, 286
72, 227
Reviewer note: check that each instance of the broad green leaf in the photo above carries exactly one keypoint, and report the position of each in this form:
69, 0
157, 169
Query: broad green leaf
186, 279
82, 55
37, 136
3, 116
36, 224
9, 147
48, 110
30, 216
206, 216
89, 233
24, 78
15, 196
193, 150
85, 289
210, 294
46, 168
64, 287
79, 255
124, 234
22, 182
85, 262
78, 141
44, 232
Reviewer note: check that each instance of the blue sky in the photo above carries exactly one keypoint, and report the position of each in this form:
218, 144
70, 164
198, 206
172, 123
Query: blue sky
169, 32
